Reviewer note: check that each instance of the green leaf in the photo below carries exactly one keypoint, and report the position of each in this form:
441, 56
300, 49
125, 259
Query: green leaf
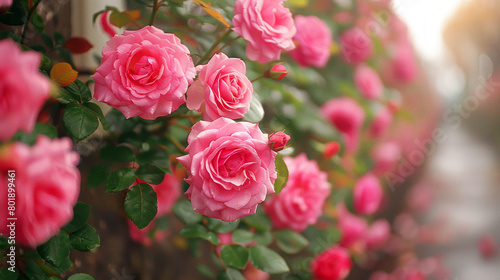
16, 15
40, 128
85, 239
47, 40
242, 236
193, 230
141, 205
282, 170
211, 237
97, 175
59, 38
155, 157
81, 213
267, 260
80, 276
120, 180
56, 250
34, 272
184, 211
107, 8
290, 241
37, 22
4, 243
205, 271
6, 274
263, 238
79, 91
98, 112
235, 255
79, 121
221, 226
230, 274
117, 154
258, 221
150, 174
256, 112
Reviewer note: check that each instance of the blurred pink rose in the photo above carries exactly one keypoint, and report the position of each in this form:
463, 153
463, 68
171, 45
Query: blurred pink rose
368, 82
333, 264
231, 168
144, 73
313, 40
380, 275
356, 46
331, 149
23, 89
352, 228
267, 26
348, 117
386, 157
368, 194
5, 3
403, 66
47, 184
378, 234
278, 140
487, 246
147, 235
300, 203
253, 273
381, 122
221, 90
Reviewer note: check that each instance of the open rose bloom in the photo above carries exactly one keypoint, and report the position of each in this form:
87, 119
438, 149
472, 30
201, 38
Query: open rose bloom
300, 203
144, 73
221, 90
23, 89
313, 39
231, 168
47, 188
267, 26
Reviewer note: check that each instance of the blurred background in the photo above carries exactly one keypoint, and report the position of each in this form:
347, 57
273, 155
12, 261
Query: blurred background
446, 215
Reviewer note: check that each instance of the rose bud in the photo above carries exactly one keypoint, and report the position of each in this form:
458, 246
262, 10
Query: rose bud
331, 149
278, 140
277, 72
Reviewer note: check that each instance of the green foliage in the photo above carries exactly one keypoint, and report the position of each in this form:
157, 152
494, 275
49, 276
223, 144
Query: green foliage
79, 121
141, 205
267, 260
282, 171
85, 239
235, 255
120, 179
185, 213
81, 213
39, 129
56, 250
290, 241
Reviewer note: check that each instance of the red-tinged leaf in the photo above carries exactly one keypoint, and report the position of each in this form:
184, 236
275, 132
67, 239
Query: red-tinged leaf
78, 45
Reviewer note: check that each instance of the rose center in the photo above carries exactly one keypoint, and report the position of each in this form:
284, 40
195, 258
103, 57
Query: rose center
144, 69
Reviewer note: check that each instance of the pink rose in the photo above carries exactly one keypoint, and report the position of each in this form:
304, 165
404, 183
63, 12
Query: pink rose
381, 122
386, 157
231, 168
352, 228
267, 26
368, 194
313, 40
333, 264
403, 67
278, 140
147, 235
5, 3
23, 89
368, 82
378, 234
348, 117
356, 46
300, 203
487, 246
222, 89
144, 73
47, 184
331, 149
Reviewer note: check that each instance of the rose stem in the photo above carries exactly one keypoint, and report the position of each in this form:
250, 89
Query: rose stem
208, 53
28, 20
153, 15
